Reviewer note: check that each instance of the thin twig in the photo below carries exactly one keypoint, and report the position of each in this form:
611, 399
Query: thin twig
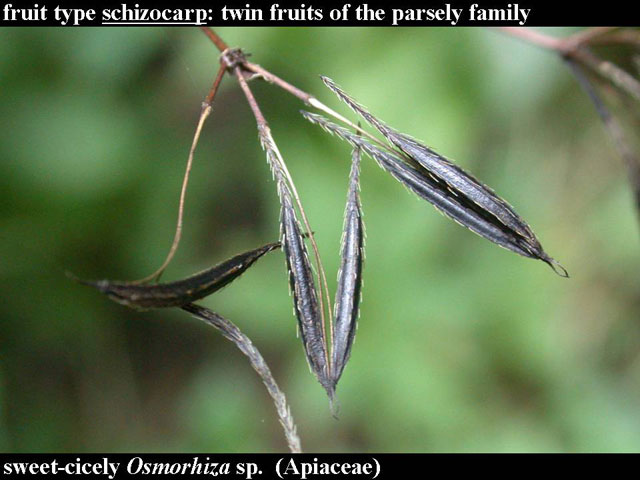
204, 114
233, 333
534, 37
631, 160
572, 47
609, 71
217, 41
621, 37
588, 36
566, 45
283, 84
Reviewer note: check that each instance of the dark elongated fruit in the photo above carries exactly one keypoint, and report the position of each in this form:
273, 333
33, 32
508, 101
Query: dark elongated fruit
181, 292
445, 198
440, 167
348, 292
304, 294
301, 282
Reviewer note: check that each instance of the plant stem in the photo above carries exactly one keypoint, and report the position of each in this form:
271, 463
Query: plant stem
306, 97
571, 47
283, 84
204, 114
631, 160
533, 37
213, 36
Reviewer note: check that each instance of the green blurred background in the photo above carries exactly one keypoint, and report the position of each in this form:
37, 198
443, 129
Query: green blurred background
461, 346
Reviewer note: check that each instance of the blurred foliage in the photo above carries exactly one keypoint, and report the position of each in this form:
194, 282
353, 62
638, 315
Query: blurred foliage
462, 346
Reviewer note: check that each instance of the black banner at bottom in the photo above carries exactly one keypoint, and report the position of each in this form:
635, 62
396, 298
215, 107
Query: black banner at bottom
235, 466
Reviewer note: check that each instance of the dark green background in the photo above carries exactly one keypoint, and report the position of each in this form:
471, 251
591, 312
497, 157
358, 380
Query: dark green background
461, 346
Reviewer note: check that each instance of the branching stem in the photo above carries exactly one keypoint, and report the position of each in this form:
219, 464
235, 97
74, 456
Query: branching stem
306, 97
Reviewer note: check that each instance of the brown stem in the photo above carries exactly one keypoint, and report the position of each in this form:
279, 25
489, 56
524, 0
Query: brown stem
307, 98
217, 41
216, 84
565, 46
609, 71
534, 37
588, 36
621, 37
251, 100
268, 76
631, 160
271, 78
572, 48
204, 114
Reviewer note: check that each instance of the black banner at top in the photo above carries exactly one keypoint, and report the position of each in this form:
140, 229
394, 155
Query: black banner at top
309, 13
